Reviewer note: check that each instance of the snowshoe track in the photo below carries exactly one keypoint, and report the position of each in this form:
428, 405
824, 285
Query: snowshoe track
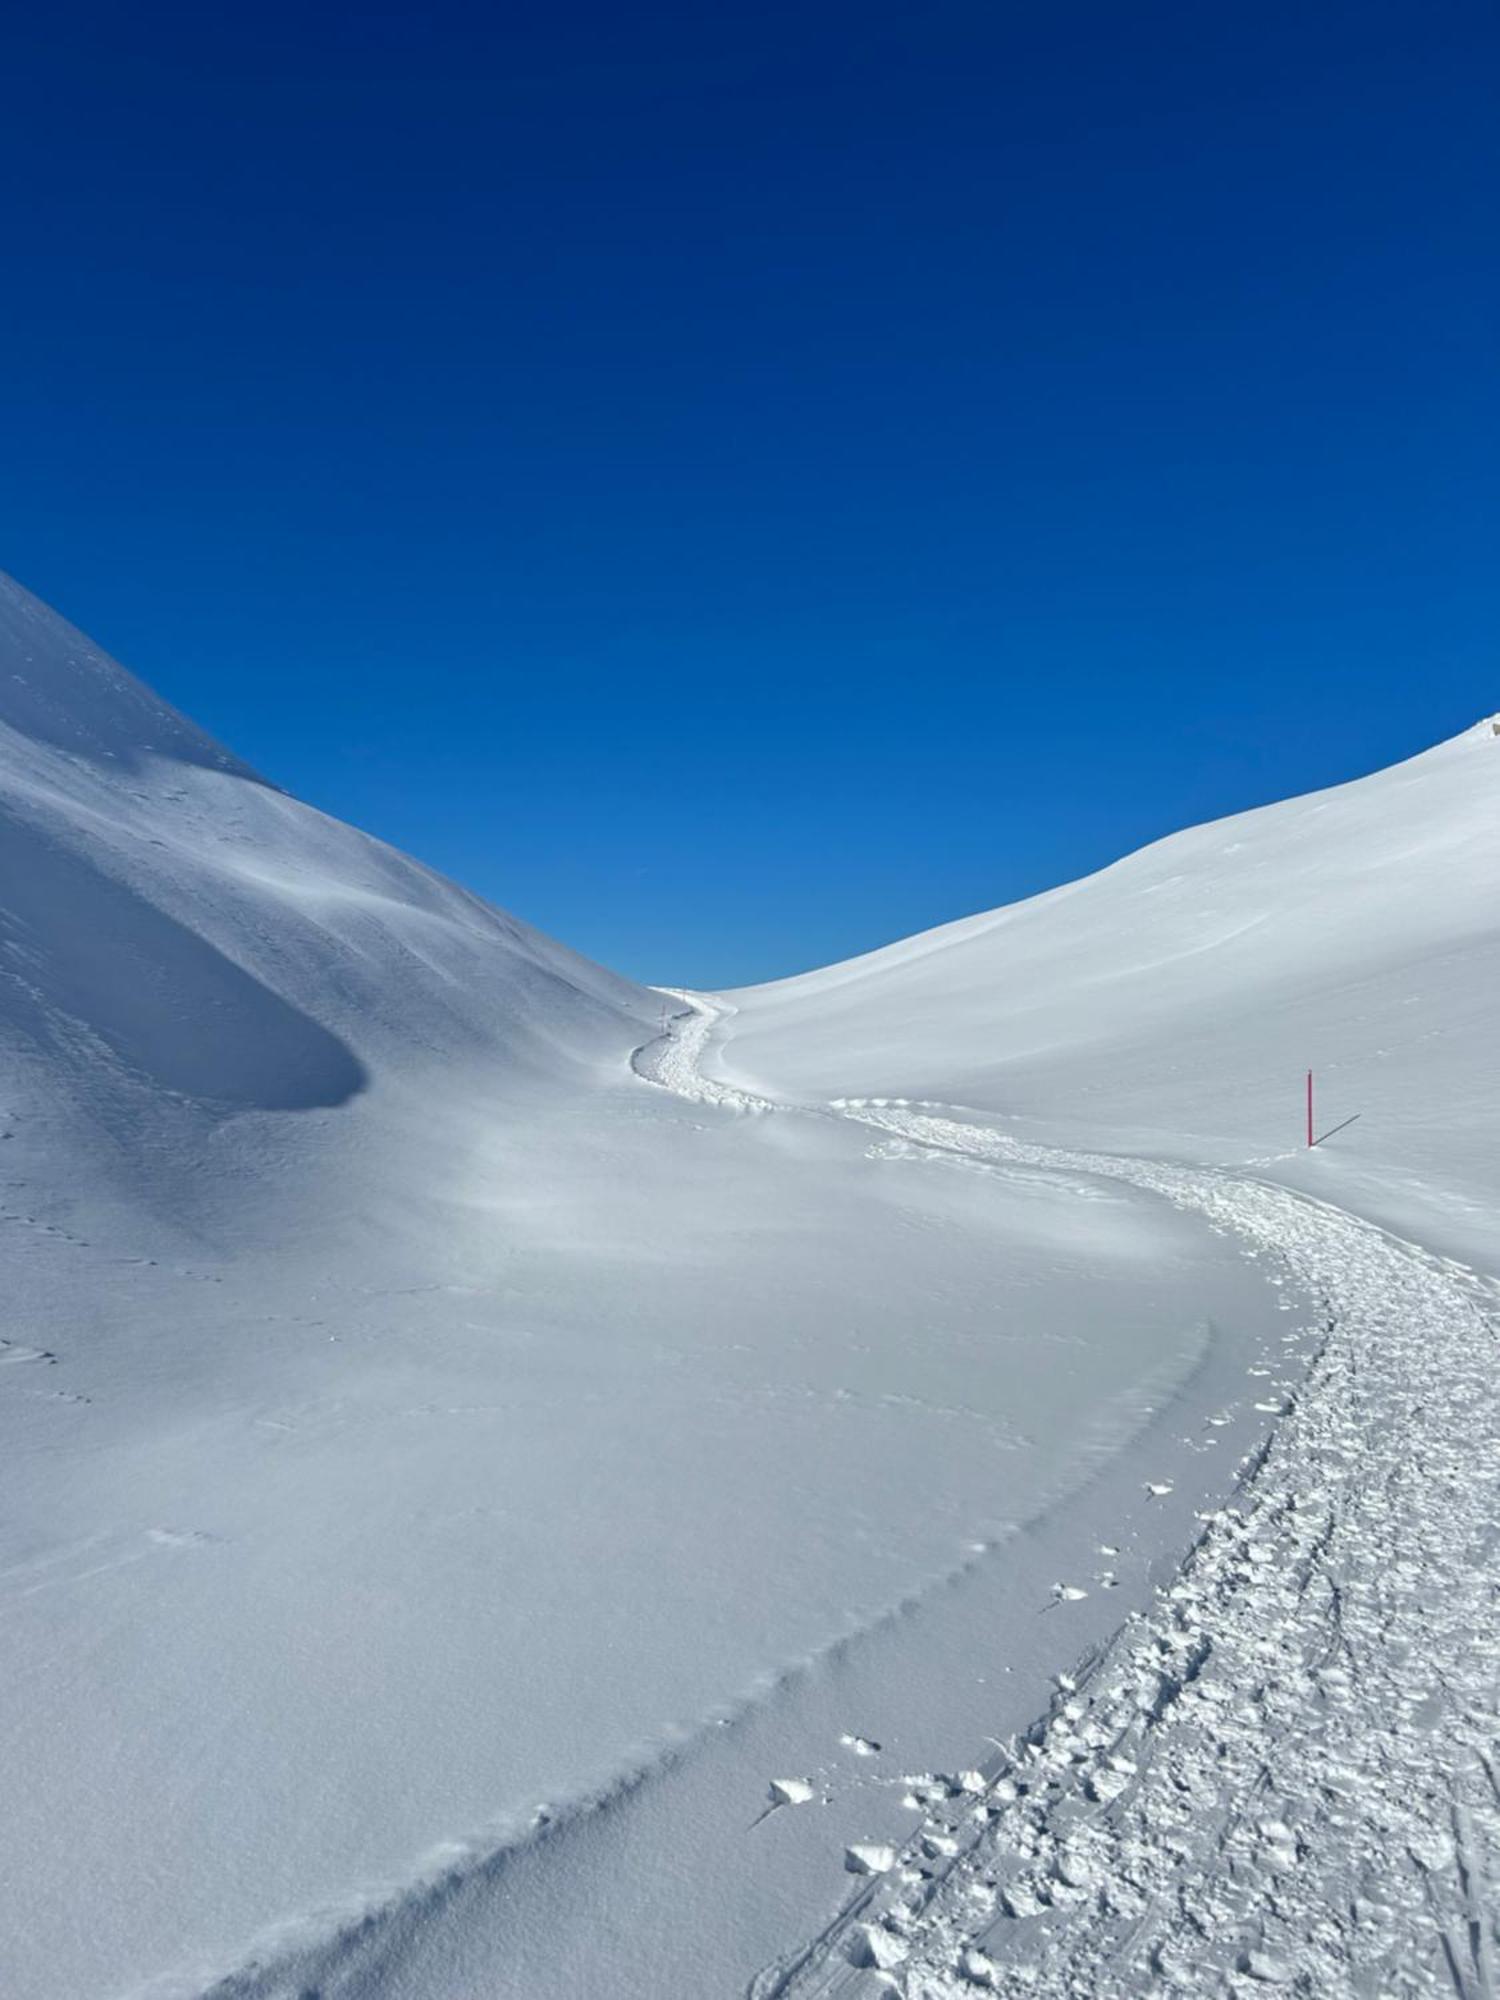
1285, 1776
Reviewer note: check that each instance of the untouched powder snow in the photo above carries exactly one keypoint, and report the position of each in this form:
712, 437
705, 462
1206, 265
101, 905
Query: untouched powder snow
1173, 1002
903, 1482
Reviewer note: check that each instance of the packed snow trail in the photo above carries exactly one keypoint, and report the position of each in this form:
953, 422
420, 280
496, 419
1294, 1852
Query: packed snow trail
1286, 1774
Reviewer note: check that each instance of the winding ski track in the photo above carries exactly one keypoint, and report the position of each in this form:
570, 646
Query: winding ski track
1285, 1775
1282, 1776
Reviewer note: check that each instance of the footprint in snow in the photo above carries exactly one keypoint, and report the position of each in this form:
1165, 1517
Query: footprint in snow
862, 1746
13, 1353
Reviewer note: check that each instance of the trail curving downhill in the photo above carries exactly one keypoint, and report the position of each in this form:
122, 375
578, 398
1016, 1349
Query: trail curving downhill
1285, 1775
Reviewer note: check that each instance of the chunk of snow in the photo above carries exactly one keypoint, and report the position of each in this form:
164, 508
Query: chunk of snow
869, 1857
792, 1791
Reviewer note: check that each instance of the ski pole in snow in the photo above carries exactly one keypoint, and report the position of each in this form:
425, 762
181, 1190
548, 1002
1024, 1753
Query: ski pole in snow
1310, 1140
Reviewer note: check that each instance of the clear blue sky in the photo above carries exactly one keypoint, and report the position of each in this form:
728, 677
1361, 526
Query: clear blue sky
737, 485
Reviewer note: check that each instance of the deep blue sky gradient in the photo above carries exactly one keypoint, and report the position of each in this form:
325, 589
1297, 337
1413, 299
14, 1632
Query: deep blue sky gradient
737, 485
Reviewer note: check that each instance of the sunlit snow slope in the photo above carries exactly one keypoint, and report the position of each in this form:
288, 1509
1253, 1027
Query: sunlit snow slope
431, 1453
1173, 1002
184, 944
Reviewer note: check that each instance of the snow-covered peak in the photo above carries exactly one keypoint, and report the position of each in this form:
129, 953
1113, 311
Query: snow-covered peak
57, 689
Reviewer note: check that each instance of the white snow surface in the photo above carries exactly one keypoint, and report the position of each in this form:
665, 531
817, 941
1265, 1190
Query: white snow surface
1171, 1004
509, 1478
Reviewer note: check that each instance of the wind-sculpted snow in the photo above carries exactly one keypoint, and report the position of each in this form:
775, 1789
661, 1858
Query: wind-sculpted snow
182, 943
473, 1524
122, 981
1285, 1773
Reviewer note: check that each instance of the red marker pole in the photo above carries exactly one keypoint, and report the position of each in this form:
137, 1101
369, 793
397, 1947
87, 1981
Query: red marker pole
1310, 1140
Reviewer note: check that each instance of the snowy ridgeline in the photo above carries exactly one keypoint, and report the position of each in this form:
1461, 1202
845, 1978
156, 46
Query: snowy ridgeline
472, 1520
1172, 1003
181, 936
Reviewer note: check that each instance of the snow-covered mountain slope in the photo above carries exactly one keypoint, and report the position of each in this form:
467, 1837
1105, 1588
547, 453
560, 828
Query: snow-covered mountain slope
1173, 1002
465, 1452
415, 1424
182, 945
1281, 1776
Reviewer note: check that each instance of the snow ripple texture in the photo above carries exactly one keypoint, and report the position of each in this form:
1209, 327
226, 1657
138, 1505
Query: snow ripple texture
1285, 1775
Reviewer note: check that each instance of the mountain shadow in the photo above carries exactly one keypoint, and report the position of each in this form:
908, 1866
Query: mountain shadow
90, 970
